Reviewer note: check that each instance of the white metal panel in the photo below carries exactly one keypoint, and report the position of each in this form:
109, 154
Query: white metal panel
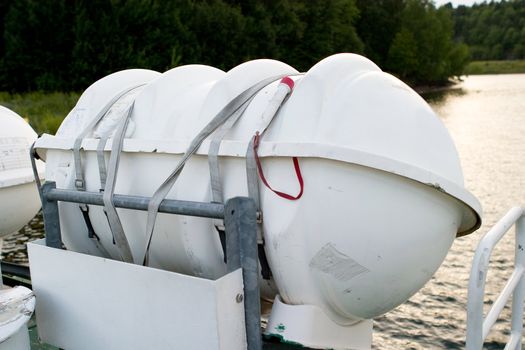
16, 308
86, 302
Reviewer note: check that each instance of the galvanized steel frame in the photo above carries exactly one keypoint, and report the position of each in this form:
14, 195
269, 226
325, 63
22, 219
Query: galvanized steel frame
240, 220
479, 327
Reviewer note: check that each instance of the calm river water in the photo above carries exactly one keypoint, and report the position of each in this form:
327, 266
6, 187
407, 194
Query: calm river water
486, 118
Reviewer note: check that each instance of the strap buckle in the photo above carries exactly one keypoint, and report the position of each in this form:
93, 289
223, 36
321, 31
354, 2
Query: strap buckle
80, 184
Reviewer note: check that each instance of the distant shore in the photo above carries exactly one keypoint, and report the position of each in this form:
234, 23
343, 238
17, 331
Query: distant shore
475, 68
495, 67
429, 89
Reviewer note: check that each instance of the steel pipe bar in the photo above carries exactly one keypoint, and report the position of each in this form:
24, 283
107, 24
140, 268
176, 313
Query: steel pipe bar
476, 332
171, 206
501, 227
501, 301
518, 296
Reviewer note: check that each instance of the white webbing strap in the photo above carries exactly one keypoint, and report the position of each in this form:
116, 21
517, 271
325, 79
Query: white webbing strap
213, 158
80, 185
281, 94
101, 160
111, 212
217, 121
252, 180
79, 179
283, 91
94, 237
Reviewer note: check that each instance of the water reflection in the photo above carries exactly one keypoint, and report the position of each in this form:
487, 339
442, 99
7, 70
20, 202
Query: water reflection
14, 248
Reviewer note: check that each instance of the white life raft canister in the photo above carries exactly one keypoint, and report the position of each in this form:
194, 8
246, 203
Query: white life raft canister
383, 195
19, 200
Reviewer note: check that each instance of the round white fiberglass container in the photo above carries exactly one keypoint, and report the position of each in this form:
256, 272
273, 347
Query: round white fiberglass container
383, 188
19, 200
18, 304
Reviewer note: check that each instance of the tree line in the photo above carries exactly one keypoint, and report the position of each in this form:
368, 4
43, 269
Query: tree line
493, 30
65, 45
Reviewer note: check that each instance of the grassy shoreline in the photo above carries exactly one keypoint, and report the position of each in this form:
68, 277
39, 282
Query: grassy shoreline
495, 67
44, 111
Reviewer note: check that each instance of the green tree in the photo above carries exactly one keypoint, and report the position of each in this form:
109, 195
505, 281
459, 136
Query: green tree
219, 32
68, 44
492, 29
378, 23
329, 28
299, 32
275, 29
121, 34
422, 50
403, 54
38, 44
459, 57
4, 8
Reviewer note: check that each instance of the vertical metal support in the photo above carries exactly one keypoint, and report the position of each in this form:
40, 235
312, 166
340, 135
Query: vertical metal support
51, 218
476, 290
478, 327
519, 293
240, 221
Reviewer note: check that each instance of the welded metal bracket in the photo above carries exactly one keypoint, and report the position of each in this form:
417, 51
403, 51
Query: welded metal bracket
240, 219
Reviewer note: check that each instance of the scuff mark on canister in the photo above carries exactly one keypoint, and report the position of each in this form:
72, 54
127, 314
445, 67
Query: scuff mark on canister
340, 266
437, 186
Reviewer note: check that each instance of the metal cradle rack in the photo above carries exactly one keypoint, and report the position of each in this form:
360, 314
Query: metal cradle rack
239, 215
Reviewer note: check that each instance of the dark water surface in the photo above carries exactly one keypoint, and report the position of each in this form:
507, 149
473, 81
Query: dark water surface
486, 118
14, 245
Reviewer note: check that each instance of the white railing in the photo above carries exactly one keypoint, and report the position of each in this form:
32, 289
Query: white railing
478, 327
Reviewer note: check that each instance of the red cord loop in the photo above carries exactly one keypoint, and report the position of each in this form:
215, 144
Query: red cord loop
256, 140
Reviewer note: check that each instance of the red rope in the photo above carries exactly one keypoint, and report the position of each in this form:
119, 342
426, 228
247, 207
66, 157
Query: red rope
256, 140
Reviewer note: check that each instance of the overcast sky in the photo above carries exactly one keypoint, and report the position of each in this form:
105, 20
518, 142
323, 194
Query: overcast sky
456, 3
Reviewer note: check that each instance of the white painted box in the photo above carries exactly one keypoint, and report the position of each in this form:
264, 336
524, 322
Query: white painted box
87, 302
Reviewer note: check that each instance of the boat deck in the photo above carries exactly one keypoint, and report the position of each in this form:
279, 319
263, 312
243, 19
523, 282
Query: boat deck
37, 345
